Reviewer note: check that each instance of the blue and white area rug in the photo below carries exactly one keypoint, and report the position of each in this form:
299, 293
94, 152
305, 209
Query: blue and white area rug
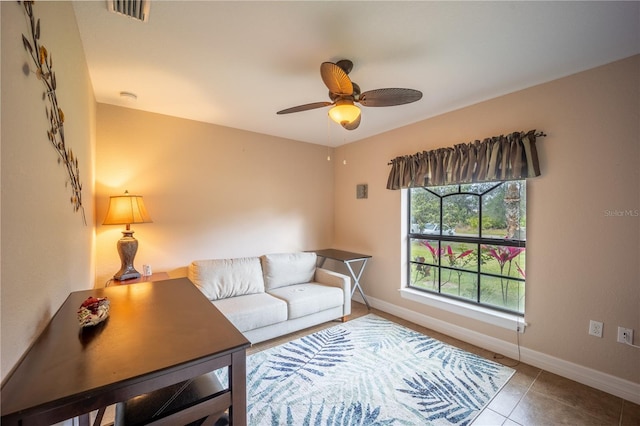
369, 371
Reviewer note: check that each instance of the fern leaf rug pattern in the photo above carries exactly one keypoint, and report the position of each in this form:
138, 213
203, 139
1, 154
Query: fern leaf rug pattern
369, 371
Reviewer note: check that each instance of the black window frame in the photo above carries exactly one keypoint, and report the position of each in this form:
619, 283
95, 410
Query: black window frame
478, 241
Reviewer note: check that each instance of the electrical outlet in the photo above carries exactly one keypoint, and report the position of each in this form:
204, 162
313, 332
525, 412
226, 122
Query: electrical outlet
595, 328
625, 335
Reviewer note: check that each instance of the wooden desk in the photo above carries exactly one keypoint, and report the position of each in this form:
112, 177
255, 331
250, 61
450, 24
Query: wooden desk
157, 334
347, 258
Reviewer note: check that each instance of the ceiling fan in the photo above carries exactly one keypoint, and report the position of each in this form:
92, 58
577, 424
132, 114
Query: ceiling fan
343, 93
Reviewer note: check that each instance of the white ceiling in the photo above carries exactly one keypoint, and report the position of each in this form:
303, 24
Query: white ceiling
236, 63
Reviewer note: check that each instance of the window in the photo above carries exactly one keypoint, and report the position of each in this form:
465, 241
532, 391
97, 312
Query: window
468, 242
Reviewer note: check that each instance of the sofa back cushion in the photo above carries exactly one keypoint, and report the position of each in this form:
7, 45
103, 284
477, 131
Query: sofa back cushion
222, 278
283, 269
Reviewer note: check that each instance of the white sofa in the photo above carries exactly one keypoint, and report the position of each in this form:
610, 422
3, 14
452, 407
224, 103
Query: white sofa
274, 294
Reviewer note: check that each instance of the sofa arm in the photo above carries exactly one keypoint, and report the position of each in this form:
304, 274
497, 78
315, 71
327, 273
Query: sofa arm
335, 279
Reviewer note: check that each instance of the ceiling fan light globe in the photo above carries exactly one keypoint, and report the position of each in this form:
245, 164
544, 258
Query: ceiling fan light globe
344, 113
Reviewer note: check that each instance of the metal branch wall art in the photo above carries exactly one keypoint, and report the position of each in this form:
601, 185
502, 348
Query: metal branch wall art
43, 62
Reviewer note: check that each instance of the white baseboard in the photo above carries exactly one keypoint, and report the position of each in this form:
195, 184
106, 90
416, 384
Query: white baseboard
613, 385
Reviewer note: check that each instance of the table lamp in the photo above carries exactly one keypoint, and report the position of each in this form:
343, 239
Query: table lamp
125, 210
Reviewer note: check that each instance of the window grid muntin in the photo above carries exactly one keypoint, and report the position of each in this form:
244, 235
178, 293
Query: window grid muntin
478, 241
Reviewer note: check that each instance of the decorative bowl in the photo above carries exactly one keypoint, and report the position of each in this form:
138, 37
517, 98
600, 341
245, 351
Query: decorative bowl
93, 311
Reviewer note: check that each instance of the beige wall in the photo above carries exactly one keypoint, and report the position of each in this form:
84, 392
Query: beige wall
581, 263
212, 192
47, 252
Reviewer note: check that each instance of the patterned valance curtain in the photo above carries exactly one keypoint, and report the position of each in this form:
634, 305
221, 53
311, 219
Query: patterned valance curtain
497, 158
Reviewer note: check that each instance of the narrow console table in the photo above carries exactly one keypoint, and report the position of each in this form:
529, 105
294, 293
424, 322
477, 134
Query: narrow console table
156, 335
157, 276
347, 258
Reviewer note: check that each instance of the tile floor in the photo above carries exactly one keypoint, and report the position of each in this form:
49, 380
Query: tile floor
533, 397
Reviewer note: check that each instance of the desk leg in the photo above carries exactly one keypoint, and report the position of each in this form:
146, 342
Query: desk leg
356, 279
238, 385
99, 416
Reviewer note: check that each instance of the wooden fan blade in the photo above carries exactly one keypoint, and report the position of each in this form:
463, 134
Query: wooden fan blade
304, 107
345, 64
336, 79
389, 97
353, 125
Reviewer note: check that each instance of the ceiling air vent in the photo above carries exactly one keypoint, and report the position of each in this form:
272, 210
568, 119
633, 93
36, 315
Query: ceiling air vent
136, 9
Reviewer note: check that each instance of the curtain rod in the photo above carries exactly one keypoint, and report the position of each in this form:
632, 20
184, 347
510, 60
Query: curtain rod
540, 134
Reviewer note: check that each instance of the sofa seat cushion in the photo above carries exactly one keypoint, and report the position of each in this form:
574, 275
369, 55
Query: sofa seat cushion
310, 298
253, 310
223, 278
283, 269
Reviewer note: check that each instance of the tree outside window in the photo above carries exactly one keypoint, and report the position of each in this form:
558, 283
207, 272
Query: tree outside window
468, 242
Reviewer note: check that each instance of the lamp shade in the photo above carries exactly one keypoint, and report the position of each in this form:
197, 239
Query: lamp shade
126, 209
344, 112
